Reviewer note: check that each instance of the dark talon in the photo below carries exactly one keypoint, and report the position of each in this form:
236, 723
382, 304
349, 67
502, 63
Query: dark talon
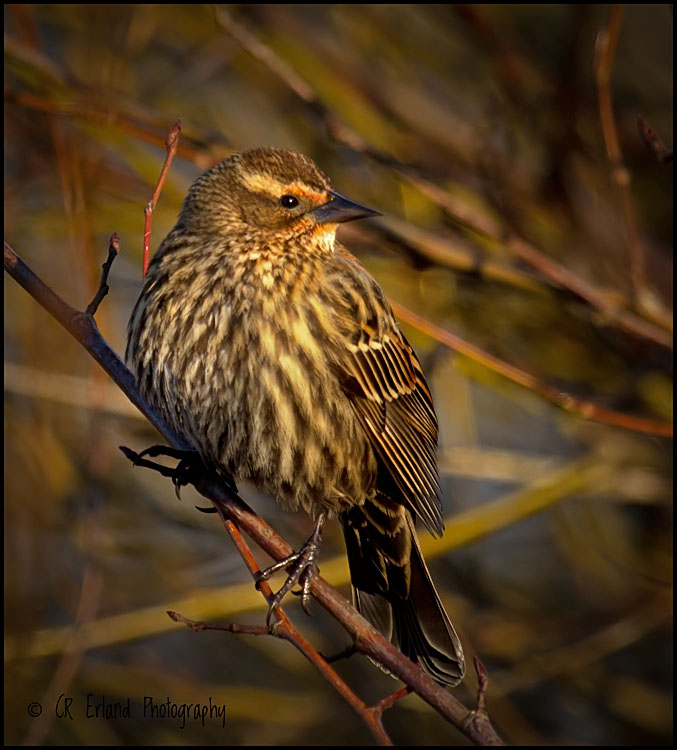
166, 450
190, 469
211, 509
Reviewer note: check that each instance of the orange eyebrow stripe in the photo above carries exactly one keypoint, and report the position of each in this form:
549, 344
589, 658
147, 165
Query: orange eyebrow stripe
262, 183
298, 188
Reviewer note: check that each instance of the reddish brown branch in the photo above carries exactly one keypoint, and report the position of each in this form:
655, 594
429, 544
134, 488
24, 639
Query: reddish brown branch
367, 639
482, 684
284, 629
172, 143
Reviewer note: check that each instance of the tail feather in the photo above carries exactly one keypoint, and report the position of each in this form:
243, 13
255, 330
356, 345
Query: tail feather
398, 596
423, 628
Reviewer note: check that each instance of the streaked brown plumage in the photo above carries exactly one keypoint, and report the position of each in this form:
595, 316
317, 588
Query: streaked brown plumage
273, 351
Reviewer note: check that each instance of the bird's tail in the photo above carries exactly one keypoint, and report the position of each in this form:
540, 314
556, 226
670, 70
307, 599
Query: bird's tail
393, 590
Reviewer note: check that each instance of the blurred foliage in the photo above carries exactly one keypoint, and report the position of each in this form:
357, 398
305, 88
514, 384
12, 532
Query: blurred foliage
556, 566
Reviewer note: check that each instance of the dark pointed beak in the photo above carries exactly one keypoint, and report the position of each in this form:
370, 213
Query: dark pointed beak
340, 209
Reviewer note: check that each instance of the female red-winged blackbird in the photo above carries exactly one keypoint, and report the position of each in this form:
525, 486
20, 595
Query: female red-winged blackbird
268, 346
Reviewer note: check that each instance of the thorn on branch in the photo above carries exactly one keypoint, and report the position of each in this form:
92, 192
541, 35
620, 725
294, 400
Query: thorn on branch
102, 291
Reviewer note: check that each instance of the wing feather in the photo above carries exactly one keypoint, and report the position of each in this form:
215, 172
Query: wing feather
386, 387
394, 405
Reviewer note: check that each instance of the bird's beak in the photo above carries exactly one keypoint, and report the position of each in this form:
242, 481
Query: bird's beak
340, 209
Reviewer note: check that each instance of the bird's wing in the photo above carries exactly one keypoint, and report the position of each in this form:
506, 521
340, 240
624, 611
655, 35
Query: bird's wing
384, 382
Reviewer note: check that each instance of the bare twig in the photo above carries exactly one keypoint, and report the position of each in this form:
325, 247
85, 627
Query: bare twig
391, 699
228, 627
102, 291
172, 143
482, 684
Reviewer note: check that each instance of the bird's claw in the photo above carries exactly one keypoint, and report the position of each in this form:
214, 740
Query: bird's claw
301, 567
189, 470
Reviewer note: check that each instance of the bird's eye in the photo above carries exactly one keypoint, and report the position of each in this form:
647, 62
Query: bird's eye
289, 201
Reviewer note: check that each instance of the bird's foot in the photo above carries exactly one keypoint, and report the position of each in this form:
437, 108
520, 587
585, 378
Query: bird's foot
301, 567
189, 470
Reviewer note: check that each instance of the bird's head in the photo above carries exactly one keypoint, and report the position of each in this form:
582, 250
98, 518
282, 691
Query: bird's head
268, 192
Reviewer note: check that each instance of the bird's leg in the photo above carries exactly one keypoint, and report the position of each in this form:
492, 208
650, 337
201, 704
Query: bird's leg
301, 566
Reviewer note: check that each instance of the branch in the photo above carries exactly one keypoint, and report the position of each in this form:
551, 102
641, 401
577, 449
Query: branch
235, 513
172, 143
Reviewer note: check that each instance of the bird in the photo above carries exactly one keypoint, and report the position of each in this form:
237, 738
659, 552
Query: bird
272, 351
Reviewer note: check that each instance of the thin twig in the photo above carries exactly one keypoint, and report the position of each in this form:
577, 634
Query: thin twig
482, 684
228, 627
172, 143
102, 291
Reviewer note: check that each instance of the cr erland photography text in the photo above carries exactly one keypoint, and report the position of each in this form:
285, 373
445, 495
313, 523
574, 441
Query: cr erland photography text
96, 706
